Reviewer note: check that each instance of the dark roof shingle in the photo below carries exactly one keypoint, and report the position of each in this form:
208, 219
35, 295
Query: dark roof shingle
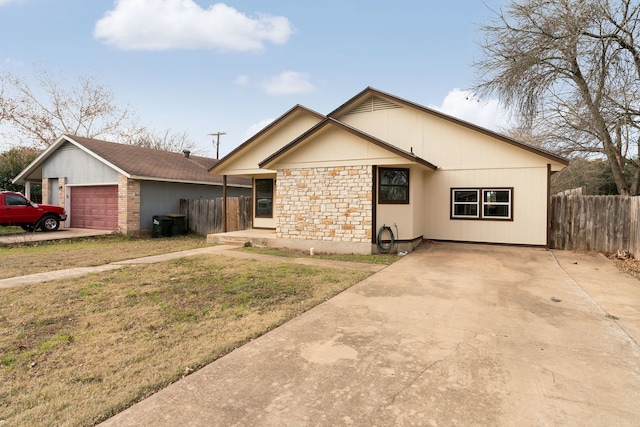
147, 163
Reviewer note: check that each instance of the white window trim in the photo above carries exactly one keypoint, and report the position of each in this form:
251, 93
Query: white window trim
481, 204
507, 203
454, 203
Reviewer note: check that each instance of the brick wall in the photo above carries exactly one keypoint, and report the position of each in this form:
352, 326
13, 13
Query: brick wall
328, 204
62, 186
46, 191
128, 205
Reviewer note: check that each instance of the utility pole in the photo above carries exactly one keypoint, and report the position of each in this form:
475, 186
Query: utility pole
217, 142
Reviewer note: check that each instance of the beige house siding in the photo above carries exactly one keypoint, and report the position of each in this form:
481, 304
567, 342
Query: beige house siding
325, 175
325, 204
335, 147
408, 218
529, 223
444, 143
465, 158
246, 161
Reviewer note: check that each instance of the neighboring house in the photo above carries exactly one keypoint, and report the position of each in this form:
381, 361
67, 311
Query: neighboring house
104, 185
331, 182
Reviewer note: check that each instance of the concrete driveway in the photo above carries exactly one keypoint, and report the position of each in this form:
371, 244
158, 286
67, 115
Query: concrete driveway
452, 334
38, 236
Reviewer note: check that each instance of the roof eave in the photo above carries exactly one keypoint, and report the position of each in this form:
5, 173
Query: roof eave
266, 163
37, 162
214, 169
183, 181
97, 157
511, 141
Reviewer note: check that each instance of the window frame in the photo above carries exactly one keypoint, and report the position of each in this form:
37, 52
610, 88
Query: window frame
508, 204
383, 201
454, 203
481, 204
256, 212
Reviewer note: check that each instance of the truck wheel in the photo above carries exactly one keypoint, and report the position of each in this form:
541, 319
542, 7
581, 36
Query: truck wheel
49, 223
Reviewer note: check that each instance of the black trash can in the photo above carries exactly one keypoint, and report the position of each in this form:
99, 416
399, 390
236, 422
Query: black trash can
161, 226
178, 224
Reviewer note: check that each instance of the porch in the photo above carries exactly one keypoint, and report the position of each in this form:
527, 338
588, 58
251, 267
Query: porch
251, 237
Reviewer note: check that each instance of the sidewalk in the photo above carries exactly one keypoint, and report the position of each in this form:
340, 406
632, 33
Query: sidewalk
40, 236
224, 250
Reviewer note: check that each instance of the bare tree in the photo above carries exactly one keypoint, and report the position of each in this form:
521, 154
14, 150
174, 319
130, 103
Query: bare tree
166, 140
571, 70
37, 116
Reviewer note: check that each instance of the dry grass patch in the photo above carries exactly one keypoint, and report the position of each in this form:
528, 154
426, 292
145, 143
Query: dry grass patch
76, 352
38, 257
383, 259
630, 266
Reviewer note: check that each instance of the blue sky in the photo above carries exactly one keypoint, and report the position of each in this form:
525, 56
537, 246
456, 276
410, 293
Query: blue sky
202, 67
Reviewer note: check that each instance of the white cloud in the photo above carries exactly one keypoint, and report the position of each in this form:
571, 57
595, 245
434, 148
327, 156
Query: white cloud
242, 80
257, 127
464, 105
287, 83
182, 24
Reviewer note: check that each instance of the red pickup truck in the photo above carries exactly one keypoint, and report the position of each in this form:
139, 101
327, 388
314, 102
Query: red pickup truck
15, 209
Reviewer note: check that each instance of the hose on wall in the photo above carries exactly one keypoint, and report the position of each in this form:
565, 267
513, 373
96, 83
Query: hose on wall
383, 247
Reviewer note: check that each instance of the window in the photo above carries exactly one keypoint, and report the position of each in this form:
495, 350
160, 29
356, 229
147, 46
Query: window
465, 203
393, 185
496, 203
264, 198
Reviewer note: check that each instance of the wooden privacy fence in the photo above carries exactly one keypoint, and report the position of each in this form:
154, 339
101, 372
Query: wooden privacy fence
604, 224
204, 216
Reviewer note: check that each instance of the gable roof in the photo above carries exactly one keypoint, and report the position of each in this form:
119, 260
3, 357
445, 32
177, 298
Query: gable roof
139, 162
328, 121
381, 99
295, 110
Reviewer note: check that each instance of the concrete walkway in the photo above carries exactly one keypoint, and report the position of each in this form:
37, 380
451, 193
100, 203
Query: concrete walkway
39, 236
452, 334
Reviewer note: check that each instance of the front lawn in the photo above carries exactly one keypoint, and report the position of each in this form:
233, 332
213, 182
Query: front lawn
39, 257
78, 351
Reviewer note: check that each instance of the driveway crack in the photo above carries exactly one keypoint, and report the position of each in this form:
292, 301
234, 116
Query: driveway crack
418, 376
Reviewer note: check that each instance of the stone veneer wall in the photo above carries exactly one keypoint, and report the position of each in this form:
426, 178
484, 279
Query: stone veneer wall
128, 205
327, 203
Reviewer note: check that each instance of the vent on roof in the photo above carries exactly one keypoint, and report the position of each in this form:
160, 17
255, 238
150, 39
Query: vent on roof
373, 103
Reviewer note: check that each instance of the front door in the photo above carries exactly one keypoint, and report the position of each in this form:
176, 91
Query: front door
264, 191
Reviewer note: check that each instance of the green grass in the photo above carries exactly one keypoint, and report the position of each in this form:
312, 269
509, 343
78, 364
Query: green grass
77, 351
37, 257
11, 230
